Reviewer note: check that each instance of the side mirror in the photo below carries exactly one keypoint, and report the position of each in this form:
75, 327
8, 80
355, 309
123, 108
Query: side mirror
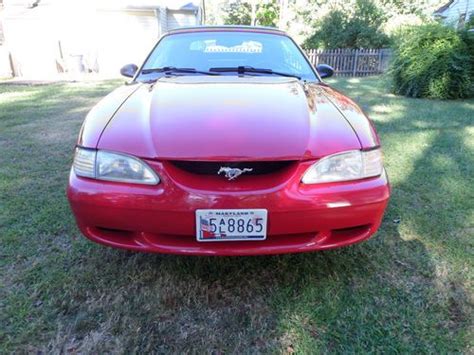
325, 71
129, 70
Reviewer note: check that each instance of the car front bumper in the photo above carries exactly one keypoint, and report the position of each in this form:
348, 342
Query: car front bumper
161, 218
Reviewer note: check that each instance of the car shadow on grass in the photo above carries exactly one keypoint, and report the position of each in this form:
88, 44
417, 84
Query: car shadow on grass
372, 296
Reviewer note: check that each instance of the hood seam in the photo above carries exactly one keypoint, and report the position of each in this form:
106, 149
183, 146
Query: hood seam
345, 118
114, 113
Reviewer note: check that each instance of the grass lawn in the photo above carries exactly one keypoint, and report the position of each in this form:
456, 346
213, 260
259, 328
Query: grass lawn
408, 289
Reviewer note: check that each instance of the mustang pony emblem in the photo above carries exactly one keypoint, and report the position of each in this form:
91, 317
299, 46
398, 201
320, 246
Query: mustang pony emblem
232, 173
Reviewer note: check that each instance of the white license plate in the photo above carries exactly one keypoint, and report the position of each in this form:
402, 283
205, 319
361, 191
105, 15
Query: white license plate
231, 225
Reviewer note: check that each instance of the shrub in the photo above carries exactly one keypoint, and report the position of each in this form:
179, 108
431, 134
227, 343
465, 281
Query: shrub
432, 61
468, 37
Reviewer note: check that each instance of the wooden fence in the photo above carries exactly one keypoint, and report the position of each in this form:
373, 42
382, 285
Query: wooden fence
352, 62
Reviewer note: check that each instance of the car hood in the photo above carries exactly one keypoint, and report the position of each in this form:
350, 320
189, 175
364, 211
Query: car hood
229, 118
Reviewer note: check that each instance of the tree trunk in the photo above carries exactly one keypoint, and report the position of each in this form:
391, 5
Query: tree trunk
253, 21
283, 10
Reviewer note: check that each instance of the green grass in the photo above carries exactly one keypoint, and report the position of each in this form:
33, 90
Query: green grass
408, 289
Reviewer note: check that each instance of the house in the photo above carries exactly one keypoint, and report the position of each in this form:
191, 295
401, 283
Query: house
455, 12
45, 37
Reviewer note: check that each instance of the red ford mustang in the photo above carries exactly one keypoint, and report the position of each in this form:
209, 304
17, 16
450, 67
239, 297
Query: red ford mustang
227, 142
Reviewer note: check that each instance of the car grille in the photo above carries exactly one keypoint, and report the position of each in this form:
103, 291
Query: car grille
211, 168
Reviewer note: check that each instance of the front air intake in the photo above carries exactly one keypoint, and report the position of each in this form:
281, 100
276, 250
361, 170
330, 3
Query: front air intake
212, 168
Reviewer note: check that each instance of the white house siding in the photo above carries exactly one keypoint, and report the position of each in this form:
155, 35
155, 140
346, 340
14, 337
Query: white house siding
1, 28
99, 41
33, 43
126, 37
178, 18
457, 9
162, 20
60, 36
5, 68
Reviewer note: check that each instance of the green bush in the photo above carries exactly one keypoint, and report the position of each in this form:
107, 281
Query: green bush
468, 38
433, 61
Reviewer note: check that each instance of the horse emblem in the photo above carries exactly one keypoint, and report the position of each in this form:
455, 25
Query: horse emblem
233, 173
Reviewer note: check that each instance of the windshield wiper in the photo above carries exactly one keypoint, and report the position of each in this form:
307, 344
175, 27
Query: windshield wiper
247, 69
171, 70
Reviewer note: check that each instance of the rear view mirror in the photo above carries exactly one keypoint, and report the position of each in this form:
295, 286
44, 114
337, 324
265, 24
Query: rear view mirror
325, 71
129, 70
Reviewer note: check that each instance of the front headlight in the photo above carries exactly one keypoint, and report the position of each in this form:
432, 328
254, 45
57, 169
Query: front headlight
351, 165
103, 165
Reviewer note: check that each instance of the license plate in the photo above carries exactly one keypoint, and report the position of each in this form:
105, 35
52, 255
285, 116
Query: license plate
231, 225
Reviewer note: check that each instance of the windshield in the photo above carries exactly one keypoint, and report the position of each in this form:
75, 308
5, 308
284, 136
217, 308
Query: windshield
220, 49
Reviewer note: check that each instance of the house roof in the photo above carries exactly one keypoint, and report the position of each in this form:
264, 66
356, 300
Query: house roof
443, 8
46, 9
185, 5
182, 5
189, 6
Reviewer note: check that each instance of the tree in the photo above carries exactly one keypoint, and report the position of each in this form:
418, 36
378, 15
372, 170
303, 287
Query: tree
239, 13
341, 28
268, 14
309, 13
253, 13
331, 32
365, 26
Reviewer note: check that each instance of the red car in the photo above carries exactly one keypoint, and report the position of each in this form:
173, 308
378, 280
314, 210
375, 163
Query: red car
227, 142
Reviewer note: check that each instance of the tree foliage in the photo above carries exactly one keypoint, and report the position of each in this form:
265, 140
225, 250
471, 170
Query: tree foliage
470, 23
240, 13
268, 13
341, 28
433, 61
404, 7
